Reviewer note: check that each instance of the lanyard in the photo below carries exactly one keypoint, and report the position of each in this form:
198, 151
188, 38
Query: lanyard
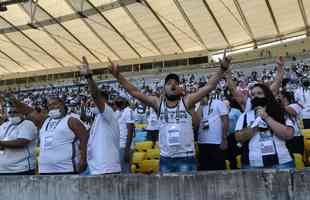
177, 112
46, 128
9, 127
209, 108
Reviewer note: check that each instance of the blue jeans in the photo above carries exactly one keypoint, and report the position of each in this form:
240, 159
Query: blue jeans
288, 165
184, 164
125, 165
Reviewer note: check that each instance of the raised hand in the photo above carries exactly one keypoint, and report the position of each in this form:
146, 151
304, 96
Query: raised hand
84, 69
113, 68
225, 63
280, 61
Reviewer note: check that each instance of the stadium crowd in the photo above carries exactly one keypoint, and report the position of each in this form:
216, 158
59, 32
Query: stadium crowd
89, 129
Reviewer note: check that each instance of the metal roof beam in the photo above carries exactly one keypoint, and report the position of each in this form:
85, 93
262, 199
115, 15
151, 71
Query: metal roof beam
32, 41
275, 23
189, 23
71, 34
245, 21
135, 21
216, 22
33, 21
12, 59
114, 28
69, 17
91, 28
163, 24
304, 16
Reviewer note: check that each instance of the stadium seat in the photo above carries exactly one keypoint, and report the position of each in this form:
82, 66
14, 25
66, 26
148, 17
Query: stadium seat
238, 158
298, 161
143, 146
133, 169
152, 154
149, 166
306, 133
307, 145
227, 163
138, 157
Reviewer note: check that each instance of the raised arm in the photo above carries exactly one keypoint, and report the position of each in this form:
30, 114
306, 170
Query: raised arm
194, 98
238, 96
36, 117
132, 90
275, 86
96, 94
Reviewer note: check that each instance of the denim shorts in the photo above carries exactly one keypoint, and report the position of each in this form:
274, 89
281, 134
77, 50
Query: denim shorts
288, 165
183, 164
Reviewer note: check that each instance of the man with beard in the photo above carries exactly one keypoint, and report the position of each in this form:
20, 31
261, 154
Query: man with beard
174, 110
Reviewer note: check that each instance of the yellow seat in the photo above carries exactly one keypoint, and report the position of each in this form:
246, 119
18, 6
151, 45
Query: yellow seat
149, 166
133, 169
152, 154
238, 158
299, 163
143, 146
140, 126
138, 157
306, 133
307, 144
227, 163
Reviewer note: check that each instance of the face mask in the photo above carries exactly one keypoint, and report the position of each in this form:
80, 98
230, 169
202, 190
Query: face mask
94, 110
172, 97
15, 120
55, 113
257, 101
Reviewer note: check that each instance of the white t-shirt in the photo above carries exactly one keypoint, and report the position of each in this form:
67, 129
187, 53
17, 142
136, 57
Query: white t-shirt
213, 134
22, 159
126, 117
104, 144
255, 152
303, 97
296, 121
153, 121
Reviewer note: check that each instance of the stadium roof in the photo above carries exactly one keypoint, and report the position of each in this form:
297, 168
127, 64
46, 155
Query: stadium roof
53, 35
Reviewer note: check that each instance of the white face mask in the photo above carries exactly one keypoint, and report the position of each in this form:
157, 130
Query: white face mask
94, 110
54, 114
15, 120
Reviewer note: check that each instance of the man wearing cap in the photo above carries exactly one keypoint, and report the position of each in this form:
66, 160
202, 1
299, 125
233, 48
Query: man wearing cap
176, 137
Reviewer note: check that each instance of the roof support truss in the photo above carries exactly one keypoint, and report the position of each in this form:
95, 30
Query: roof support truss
273, 18
304, 16
163, 24
114, 28
189, 23
216, 22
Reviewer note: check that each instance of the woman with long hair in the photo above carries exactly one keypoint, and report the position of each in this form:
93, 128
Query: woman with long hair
263, 130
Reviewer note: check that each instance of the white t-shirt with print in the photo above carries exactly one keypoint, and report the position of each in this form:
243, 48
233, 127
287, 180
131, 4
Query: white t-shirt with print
212, 135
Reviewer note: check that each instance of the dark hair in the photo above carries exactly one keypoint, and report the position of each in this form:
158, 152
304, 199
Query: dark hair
234, 104
273, 108
172, 76
289, 96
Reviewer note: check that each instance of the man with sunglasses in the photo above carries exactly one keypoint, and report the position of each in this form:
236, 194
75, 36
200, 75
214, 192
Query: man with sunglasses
17, 144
